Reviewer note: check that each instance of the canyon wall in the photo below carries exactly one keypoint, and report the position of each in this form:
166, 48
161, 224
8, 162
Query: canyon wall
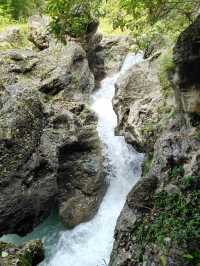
159, 224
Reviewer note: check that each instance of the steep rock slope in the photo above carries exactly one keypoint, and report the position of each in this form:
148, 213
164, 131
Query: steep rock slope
108, 55
139, 105
50, 152
159, 224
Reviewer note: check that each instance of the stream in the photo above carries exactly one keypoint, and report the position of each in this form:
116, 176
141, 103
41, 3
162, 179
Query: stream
90, 244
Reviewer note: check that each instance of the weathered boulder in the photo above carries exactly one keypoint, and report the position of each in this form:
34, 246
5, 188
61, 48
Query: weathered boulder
80, 180
50, 152
57, 69
139, 105
66, 67
38, 31
31, 254
9, 36
187, 60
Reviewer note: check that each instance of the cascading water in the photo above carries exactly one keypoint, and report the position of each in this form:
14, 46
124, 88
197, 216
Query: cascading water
90, 244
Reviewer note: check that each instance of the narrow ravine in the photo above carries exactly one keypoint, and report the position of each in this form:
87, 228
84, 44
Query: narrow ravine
90, 244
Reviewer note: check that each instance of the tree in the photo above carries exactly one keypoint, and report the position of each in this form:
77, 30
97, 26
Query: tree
160, 9
18, 9
72, 17
154, 21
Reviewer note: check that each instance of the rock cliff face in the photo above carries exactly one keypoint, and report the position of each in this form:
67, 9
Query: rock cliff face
50, 155
139, 105
108, 55
187, 79
159, 222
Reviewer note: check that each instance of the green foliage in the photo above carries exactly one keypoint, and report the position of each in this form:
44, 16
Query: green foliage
193, 258
147, 164
106, 28
176, 171
21, 40
153, 23
166, 68
18, 9
72, 17
191, 182
176, 217
198, 136
160, 9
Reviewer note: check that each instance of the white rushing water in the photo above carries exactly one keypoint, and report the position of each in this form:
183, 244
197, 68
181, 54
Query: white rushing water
90, 244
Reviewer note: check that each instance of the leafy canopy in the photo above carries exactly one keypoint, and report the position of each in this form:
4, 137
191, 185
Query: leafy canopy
152, 21
72, 17
18, 9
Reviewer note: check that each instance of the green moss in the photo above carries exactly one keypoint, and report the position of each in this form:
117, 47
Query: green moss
197, 137
4, 246
147, 164
165, 69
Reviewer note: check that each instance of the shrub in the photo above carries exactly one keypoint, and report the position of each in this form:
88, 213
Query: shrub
176, 217
72, 17
176, 171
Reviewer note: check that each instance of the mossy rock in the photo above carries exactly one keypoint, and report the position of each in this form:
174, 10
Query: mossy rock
31, 254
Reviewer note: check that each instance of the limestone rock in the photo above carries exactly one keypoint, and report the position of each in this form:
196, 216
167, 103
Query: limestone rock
172, 149
50, 151
108, 55
139, 105
38, 31
138, 101
186, 58
10, 35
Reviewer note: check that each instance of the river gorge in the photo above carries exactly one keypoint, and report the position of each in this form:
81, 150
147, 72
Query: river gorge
90, 243
99, 151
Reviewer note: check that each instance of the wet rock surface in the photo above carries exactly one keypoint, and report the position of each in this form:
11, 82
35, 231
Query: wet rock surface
108, 55
50, 152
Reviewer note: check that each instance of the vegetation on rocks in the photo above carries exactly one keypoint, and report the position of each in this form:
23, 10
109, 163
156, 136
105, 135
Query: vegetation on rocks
30, 254
166, 71
74, 18
48, 133
173, 223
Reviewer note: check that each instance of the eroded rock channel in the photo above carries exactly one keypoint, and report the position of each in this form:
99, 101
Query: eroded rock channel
59, 151
64, 153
